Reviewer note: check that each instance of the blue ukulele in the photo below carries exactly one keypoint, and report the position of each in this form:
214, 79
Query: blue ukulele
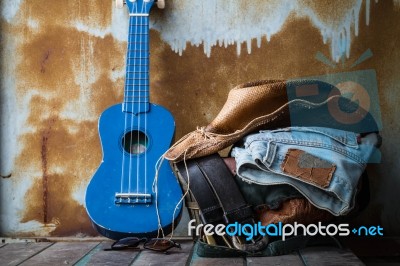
120, 199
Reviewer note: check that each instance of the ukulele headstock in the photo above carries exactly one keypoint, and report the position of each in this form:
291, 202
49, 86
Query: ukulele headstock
139, 7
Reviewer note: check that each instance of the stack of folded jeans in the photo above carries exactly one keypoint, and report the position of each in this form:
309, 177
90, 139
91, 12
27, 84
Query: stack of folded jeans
324, 165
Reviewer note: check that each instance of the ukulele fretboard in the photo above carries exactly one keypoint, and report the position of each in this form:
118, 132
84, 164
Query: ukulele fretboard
136, 93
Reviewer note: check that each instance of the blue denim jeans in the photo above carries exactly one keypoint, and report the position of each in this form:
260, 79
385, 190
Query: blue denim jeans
323, 164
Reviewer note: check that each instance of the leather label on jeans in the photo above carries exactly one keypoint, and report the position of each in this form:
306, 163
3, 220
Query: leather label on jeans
305, 166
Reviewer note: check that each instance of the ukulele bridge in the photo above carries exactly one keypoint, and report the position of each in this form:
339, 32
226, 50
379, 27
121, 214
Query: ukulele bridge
132, 198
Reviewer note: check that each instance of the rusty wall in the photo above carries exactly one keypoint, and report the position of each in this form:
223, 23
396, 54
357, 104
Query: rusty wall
62, 64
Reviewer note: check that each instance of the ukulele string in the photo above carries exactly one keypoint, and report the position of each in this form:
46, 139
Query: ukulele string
132, 147
138, 98
139, 104
142, 63
145, 92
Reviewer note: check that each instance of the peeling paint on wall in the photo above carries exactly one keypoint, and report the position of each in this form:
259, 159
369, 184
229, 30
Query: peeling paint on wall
52, 80
211, 23
8, 104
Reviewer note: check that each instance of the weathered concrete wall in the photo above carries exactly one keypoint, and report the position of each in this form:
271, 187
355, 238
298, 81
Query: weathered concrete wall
63, 64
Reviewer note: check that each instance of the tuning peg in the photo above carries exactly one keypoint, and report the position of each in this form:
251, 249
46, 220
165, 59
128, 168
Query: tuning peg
161, 4
119, 3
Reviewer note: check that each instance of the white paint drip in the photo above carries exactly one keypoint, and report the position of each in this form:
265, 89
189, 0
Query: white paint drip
97, 32
212, 22
340, 35
118, 28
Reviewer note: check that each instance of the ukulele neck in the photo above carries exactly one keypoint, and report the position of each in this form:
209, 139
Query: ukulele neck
137, 82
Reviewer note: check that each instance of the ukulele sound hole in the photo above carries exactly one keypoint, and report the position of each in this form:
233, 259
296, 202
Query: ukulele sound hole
135, 142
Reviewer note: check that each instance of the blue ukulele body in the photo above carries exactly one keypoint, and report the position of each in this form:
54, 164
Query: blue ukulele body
116, 217
122, 198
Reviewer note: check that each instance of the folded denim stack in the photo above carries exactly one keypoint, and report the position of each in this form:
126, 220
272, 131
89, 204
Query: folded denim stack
323, 164
293, 160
